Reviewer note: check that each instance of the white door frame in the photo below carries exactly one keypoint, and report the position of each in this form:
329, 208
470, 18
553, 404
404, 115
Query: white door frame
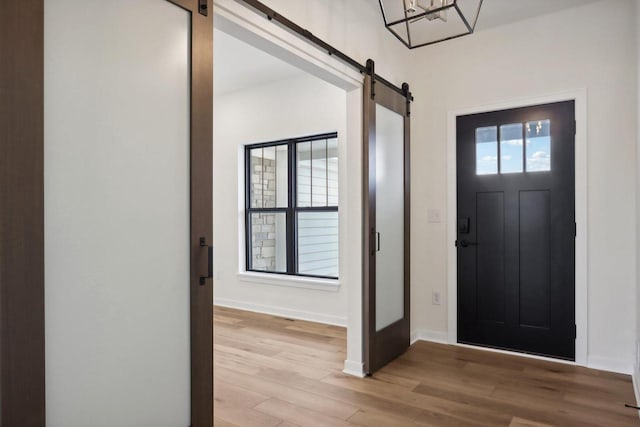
581, 266
245, 24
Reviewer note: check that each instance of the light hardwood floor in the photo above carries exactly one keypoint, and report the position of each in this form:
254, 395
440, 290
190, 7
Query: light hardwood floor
271, 371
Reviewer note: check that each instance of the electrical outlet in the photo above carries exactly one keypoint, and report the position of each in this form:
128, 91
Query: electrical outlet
435, 298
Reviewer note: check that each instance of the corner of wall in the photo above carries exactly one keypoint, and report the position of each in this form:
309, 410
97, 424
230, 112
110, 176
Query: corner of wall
609, 364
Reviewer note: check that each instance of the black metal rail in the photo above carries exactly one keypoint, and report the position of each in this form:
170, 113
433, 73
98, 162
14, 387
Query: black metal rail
272, 15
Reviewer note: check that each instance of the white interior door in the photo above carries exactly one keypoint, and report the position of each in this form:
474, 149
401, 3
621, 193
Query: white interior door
117, 265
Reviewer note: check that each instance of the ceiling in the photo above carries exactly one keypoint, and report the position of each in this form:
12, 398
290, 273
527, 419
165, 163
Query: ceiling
501, 12
239, 66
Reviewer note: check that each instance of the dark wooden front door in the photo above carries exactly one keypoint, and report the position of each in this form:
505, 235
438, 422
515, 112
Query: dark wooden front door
516, 229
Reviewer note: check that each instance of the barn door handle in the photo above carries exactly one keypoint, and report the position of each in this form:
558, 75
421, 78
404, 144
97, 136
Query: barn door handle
465, 243
203, 243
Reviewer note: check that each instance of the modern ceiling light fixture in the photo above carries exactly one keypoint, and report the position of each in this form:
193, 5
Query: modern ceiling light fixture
419, 23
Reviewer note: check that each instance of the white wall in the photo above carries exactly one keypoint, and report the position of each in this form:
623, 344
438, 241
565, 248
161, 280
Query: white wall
589, 47
301, 106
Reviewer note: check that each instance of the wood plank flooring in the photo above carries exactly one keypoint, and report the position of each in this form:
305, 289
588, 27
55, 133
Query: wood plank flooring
271, 371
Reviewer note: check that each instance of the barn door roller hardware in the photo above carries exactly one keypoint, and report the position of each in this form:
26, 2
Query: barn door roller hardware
203, 8
273, 16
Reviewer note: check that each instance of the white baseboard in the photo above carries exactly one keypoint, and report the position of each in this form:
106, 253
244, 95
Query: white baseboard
354, 368
600, 363
282, 312
635, 378
636, 385
611, 365
428, 335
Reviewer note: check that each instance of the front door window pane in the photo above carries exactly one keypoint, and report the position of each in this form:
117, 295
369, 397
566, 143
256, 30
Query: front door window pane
511, 148
487, 150
538, 146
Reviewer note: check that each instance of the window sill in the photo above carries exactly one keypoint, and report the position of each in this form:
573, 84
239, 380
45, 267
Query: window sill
331, 285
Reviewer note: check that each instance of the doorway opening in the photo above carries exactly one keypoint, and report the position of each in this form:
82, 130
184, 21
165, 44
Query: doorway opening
286, 197
279, 137
260, 218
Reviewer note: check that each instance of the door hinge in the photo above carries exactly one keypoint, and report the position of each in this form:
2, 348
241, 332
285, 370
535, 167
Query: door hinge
575, 331
575, 127
575, 229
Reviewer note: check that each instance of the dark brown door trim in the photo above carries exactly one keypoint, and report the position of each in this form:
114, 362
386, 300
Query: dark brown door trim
201, 210
22, 387
382, 346
22, 344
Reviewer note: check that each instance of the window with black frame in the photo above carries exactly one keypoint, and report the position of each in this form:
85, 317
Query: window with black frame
291, 196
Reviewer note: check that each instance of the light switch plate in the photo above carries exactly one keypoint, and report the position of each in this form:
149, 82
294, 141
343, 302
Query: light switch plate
435, 298
433, 215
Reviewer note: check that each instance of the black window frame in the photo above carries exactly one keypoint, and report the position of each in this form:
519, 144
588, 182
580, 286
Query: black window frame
292, 209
